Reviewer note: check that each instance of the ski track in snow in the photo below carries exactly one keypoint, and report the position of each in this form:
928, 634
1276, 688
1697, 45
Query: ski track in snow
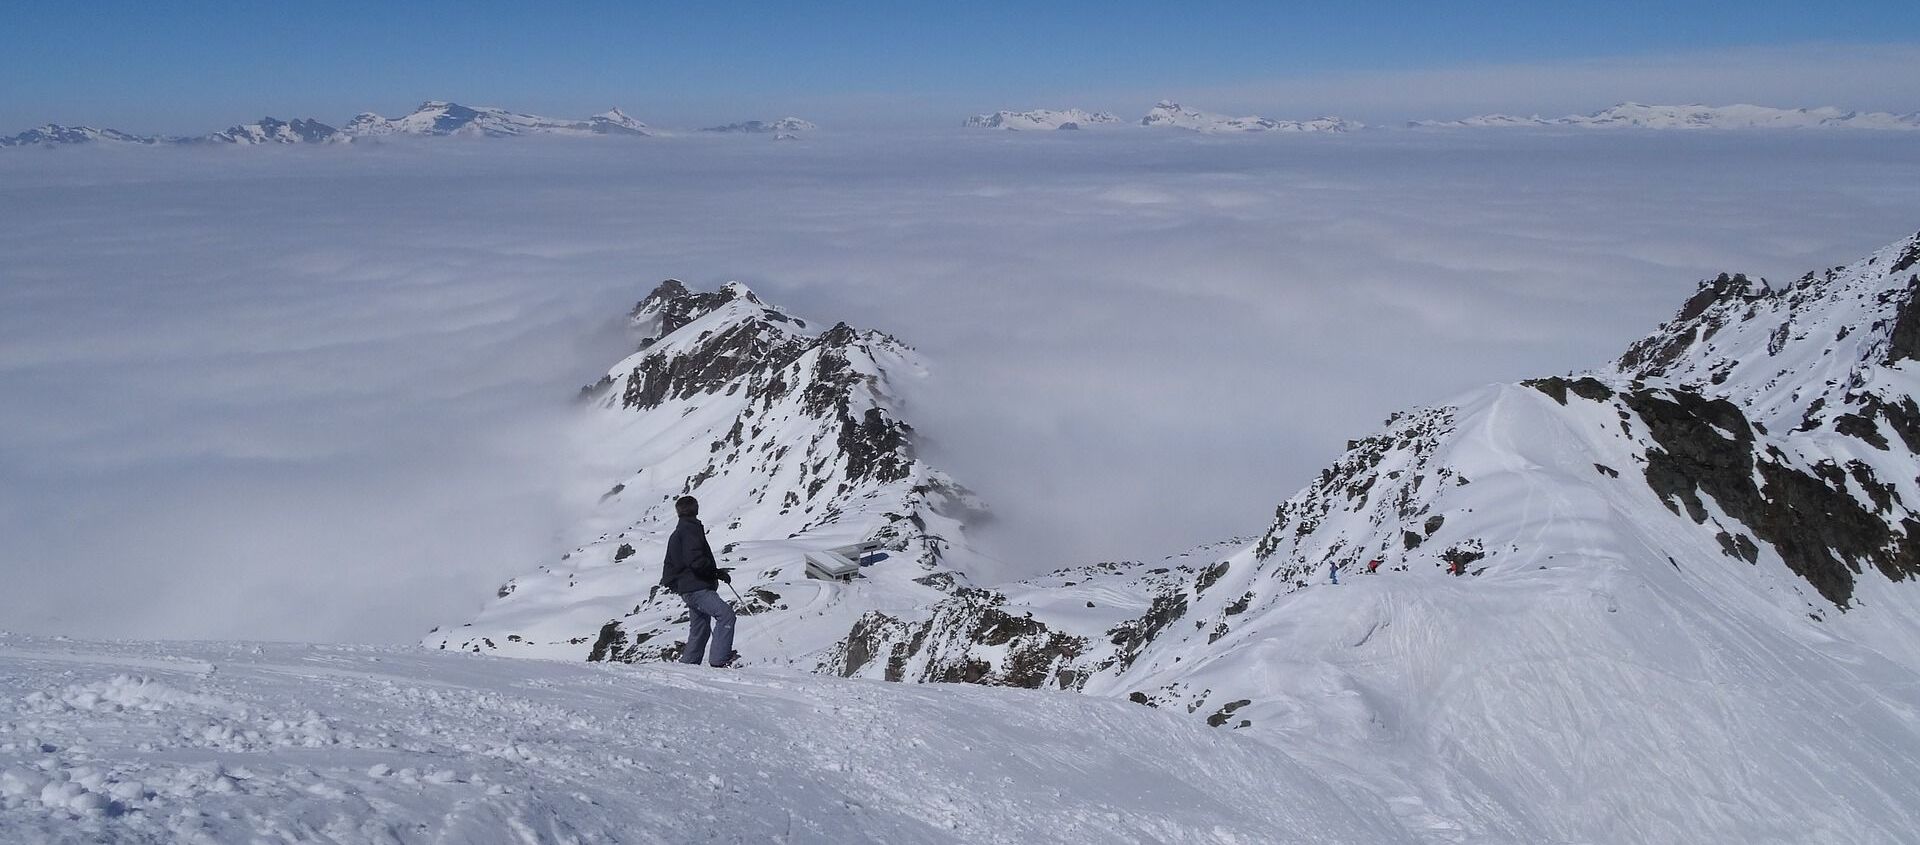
230, 742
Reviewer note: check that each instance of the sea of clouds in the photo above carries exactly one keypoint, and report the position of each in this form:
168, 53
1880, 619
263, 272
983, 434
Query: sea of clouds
325, 393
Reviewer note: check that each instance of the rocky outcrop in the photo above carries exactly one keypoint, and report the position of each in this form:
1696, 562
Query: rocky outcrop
1410, 441
1712, 306
1811, 516
792, 439
967, 638
1733, 420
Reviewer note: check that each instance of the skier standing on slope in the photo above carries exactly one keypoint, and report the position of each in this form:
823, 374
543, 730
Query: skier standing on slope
690, 570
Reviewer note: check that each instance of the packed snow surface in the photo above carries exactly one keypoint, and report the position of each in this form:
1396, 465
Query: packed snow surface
238, 742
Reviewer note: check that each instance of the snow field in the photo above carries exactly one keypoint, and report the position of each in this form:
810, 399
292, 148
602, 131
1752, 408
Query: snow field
282, 743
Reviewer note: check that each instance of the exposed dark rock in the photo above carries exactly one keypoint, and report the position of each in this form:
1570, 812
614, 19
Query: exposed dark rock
1462, 554
1208, 577
1032, 654
593, 390
1225, 713
1554, 387
758, 600
678, 306
1819, 529
1862, 427
625, 551
1902, 416
1653, 355
610, 645
1590, 388
1710, 308
1908, 257
1133, 637
1557, 387
1354, 474
740, 350
1240, 604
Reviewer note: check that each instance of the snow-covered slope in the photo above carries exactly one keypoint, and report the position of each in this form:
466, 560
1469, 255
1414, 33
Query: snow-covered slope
55, 134
785, 125
1638, 116
176, 743
1171, 114
1040, 119
272, 131
792, 435
438, 117
1670, 601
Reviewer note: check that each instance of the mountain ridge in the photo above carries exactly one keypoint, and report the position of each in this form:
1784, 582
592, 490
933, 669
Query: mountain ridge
1691, 117
432, 118
1673, 562
1170, 114
1040, 119
793, 436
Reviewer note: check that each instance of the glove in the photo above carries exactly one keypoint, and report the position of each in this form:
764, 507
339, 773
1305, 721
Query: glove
724, 574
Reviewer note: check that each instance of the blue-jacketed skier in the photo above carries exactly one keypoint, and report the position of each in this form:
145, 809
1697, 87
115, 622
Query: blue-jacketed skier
691, 571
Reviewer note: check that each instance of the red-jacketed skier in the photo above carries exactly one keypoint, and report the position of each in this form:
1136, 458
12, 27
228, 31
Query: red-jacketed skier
690, 570
1373, 566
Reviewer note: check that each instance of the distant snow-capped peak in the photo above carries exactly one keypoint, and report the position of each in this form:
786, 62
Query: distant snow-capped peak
1167, 113
785, 125
1695, 116
54, 133
791, 435
616, 122
441, 118
274, 131
1040, 119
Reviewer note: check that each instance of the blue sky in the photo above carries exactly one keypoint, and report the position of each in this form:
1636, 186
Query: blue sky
190, 66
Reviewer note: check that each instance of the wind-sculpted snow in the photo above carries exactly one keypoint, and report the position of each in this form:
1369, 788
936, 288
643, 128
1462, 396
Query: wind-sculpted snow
238, 742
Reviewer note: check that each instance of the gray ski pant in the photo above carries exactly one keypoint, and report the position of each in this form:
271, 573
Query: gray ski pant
707, 613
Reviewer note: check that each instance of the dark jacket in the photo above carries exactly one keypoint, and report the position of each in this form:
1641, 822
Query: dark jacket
689, 565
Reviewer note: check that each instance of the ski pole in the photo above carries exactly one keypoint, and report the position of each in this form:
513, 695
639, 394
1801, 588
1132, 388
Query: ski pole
736, 593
